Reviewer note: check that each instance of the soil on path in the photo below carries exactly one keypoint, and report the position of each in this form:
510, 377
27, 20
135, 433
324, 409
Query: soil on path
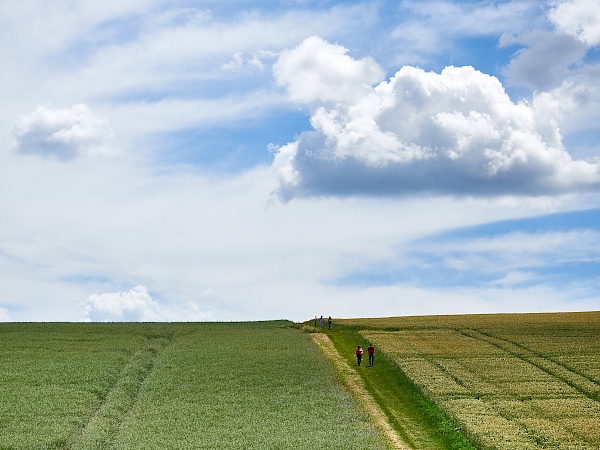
357, 388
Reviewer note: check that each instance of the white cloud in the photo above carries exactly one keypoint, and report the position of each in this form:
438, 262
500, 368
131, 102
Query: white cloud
457, 131
63, 134
137, 305
580, 18
130, 306
316, 71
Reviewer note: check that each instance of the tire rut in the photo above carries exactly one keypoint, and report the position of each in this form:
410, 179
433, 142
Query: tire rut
585, 385
103, 426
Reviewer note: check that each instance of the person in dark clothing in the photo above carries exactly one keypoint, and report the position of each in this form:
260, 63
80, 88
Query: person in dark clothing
329, 322
371, 352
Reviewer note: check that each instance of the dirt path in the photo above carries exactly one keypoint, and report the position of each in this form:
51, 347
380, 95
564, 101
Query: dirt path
355, 384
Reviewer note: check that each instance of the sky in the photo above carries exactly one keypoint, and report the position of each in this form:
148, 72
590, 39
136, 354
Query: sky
244, 160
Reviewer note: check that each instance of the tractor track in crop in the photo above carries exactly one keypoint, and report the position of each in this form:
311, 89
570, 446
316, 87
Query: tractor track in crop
354, 383
103, 426
582, 383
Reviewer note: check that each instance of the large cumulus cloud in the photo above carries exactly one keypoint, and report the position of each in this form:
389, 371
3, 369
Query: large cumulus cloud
451, 132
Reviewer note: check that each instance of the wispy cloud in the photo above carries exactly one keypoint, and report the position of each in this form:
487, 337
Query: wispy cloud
426, 30
502, 255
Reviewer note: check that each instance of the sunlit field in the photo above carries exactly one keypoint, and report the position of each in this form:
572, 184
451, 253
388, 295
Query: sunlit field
175, 386
522, 381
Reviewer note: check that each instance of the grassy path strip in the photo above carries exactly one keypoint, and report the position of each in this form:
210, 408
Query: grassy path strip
104, 425
420, 423
355, 384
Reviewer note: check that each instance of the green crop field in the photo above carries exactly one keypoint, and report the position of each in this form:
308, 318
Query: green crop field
518, 381
172, 386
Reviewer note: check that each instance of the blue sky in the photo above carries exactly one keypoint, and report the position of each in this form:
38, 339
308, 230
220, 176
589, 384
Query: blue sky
178, 160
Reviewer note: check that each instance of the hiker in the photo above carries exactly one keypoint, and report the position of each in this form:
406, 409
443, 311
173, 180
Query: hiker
329, 322
359, 353
371, 352
321, 322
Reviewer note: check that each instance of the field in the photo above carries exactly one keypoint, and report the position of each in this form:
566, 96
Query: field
519, 381
516, 381
175, 386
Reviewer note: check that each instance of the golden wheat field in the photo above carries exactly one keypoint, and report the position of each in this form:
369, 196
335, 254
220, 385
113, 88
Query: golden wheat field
511, 381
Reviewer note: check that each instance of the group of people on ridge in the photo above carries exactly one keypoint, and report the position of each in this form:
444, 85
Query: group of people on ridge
322, 322
370, 351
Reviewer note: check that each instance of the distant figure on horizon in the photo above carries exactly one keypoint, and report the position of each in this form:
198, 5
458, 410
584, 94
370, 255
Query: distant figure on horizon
321, 322
329, 322
371, 352
359, 353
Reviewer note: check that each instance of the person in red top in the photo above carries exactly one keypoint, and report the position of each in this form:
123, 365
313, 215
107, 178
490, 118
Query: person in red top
359, 353
371, 352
